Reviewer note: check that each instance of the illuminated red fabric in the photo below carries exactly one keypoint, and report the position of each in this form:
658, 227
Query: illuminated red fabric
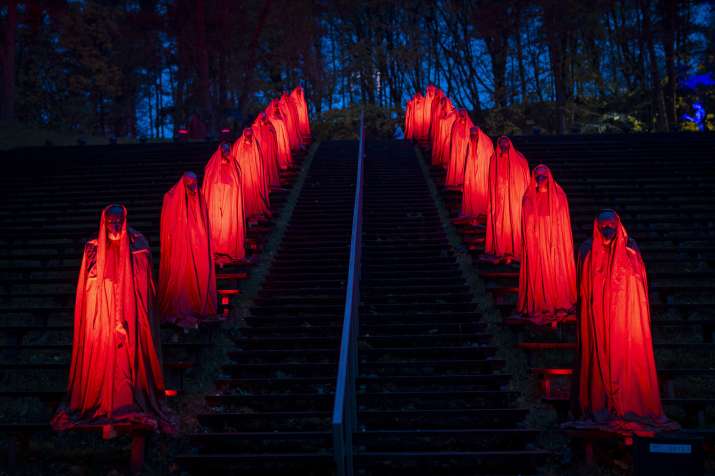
456, 150
547, 276
224, 199
508, 180
617, 383
283, 142
254, 182
298, 97
443, 135
265, 134
410, 118
440, 107
290, 117
115, 374
433, 97
187, 276
420, 122
476, 175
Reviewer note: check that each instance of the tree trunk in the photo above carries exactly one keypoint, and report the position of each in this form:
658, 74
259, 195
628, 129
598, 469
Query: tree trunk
7, 63
658, 100
202, 60
520, 59
669, 27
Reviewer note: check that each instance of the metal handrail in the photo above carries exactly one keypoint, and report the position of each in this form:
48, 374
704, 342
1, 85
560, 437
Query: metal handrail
345, 407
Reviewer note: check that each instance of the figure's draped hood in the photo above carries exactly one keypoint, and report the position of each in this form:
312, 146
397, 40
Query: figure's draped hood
247, 154
222, 191
476, 175
115, 290
298, 97
508, 180
547, 282
455, 152
617, 380
187, 276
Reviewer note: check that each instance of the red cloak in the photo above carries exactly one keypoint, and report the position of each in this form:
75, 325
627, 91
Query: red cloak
420, 122
187, 275
439, 105
456, 152
617, 380
265, 134
508, 180
547, 277
224, 199
283, 142
115, 375
433, 97
254, 182
290, 117
298, 97
441, 146
410, 118
476, 175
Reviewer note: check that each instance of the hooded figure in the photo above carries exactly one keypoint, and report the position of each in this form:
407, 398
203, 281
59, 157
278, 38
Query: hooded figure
254, 182
187, 275
456, 152
224, 199
115, 375
547, 276
298, 97
508, 180
433, 96
443, 133
410, 118
282, 140
290, 116
617, 381
476, 174
265, 134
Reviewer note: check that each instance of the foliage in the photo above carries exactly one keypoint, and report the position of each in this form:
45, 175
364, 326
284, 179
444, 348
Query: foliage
129, 68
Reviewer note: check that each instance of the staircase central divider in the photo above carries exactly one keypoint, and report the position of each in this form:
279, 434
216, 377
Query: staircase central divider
345, 408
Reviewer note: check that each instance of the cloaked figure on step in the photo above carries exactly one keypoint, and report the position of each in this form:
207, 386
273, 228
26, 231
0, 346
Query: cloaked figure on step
433, 97
443, 132
508, 180
115, 378
547, 276
290, 116
224, 199
616, 385
275, 117
187, 275
265, 134
476, 177
298, 97
456, 150
254, 181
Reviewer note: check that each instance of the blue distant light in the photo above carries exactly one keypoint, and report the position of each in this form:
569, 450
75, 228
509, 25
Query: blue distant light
697, 80
698, 118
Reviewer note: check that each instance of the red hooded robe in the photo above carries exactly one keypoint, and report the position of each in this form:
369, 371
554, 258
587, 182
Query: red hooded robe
298, 97
187, 275
441, 146
224, 199
290, 117
476, 174
115, 374
265, 133
508, 180
254, 181
283, 141
617, 380
456, 154
433, 96
547, 276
